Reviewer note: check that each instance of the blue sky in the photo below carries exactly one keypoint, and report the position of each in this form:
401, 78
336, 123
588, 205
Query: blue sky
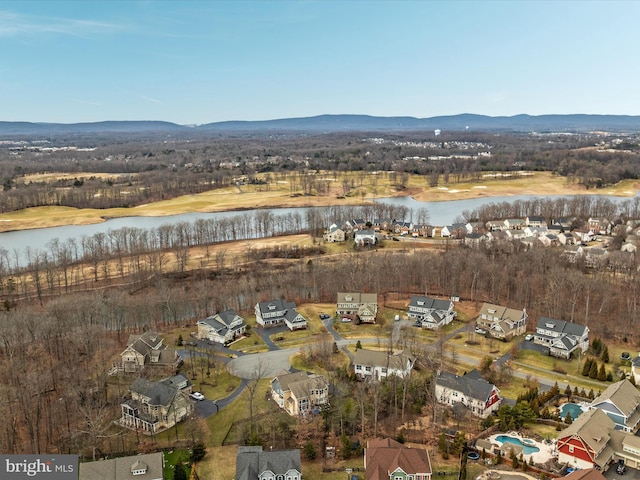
193, 62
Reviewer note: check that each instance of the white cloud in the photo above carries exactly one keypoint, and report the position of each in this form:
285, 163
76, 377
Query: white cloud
13, 25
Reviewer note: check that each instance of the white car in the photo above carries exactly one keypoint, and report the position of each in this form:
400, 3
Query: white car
528, 337
197, 396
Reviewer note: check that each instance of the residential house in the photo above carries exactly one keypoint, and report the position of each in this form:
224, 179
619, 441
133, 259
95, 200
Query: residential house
146, 350
299, 393
563, 338
583, 444
475, 227
278, 312
430, 313
515, 234
364, 237
470, 390
402, 228
223, 327
382, 224
153, 407
474, 239
536, 221
387, 459
585, 474
565, 238
363, 307
378, 365
600, 226
548, 240
358, 224
592, 441
621, 402
495, 225
502, 322
252, 463
148, 466
334, 234
514, 224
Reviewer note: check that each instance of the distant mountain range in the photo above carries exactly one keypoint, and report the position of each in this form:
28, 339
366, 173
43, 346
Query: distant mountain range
346, 123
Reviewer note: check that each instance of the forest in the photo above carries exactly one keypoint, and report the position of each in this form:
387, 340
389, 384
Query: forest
70, 308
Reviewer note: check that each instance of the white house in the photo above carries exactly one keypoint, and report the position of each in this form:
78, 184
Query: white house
562, 338
471, 390
378, 365
277, 312
431, 313
223, 327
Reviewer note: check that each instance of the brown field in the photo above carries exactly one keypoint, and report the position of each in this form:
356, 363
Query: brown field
279, 195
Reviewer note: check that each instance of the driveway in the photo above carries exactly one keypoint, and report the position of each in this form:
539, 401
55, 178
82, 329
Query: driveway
263, 365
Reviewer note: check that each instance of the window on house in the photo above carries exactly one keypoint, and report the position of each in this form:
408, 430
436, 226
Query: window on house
570, 448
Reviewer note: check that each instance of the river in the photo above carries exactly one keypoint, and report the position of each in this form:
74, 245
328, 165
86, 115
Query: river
440, 213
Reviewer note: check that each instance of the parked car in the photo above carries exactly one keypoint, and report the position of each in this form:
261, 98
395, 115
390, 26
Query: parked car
625, 356
197, 396
621, 467
345, 320
324, 316
528, 337
480, 331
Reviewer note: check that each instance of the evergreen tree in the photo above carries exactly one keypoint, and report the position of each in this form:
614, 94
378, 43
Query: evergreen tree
593, 372
605, 354
568, 419
198, 452
602, 373
587, 367
309, 451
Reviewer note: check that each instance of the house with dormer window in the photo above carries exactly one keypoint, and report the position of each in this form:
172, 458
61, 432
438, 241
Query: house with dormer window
376, 365
252, 463
299, 393
362, 307
502, 322
147, 350
479, 396
430, 313
563, 338
152, 407
387, 459
223, 327
621, 402
148, 466
278, 312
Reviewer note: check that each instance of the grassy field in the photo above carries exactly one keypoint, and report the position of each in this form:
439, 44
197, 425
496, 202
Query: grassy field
371, 185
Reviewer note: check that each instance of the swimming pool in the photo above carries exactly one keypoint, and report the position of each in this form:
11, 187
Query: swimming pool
526, 449
572, 408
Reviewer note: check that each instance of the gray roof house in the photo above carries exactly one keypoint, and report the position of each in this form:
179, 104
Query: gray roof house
146, 350
252, 463
378, 364
138, 467
223, 327
156, 406
277, 312
621, 402
563, 338
430, 313
470, 390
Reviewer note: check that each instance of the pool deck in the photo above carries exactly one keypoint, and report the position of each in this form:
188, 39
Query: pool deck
545, 453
